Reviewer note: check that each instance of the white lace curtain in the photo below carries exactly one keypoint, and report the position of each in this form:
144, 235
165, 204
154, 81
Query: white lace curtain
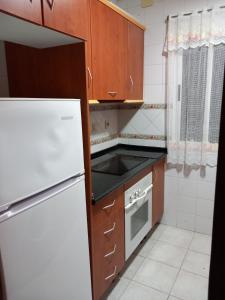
195, 48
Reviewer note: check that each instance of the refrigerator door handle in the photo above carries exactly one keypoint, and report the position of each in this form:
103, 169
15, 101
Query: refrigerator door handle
32, 201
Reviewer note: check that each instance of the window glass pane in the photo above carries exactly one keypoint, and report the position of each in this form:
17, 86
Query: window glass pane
194, 79
216, 92
139, 219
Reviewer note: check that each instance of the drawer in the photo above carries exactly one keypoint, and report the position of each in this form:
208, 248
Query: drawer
107, 210
108, 251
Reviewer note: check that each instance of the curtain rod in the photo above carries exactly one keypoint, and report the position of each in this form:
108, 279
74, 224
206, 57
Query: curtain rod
190, 13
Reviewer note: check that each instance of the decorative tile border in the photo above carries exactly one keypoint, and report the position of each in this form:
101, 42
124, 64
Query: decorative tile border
104, 139
143, 136
143, 106
128, 136
102, 107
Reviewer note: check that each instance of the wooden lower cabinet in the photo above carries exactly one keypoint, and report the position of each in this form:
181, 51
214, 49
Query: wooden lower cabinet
108, 253
158, 191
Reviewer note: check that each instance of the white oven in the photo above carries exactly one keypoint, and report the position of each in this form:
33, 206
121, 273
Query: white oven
138, 213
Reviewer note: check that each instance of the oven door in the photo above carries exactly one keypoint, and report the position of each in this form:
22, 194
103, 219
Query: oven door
138, 221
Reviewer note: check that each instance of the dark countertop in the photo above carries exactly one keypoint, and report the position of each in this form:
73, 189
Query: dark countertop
104, 184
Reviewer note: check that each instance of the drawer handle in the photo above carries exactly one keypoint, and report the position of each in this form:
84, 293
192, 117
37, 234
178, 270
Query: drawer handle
110, 230
132, 82
50, 3
90, 78
110, 205
111, 253
112, 275
113, 94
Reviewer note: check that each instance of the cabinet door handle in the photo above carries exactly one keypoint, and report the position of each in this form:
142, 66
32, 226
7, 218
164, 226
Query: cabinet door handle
132, 82
90, 78
113, 94
110, 205
50, 3
112, 275
110, 230
111, 253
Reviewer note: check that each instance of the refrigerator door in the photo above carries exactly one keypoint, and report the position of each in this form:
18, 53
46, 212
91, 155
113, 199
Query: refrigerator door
44, 246
40, 146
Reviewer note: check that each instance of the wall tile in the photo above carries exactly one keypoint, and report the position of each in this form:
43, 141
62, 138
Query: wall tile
155, 13
174, 7
154, 94
169, 218
186, 221
153, 75
206, 190
203, 225
103, 146
155, 34
204, 208
187, 187
191, 5
186, 204
153, 54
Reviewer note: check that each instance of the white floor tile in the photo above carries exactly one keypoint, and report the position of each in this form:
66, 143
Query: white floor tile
119, 289
189, 286
177, 237
133, 268
197, 263
173, 298
201, 243
136, 291
147, 247
158, 231
167, 253
156, 275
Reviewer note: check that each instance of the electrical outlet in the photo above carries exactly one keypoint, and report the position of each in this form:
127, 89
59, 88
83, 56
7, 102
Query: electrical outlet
146, 3
107, 124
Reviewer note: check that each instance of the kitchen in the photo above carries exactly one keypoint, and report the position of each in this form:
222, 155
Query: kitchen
150, 174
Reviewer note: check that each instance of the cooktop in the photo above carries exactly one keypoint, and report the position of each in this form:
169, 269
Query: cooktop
119, 164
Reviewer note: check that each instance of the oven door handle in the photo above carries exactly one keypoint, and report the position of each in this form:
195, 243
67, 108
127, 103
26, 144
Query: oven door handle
139, 198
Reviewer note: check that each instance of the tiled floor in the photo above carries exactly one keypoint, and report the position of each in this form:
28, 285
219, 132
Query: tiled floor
172, 265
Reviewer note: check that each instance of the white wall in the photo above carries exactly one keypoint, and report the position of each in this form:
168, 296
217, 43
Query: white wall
4, 90
189, 198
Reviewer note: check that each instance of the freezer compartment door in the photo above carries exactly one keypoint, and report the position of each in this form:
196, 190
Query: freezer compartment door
40, 146
44, 249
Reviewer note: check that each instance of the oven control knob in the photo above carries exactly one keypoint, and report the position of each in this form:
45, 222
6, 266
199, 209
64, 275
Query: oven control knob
136, 194
132, 197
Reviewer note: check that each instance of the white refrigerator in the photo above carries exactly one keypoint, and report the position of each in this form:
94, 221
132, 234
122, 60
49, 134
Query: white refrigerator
44, 252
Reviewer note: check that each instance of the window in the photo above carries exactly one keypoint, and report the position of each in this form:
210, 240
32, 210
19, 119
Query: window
196, 73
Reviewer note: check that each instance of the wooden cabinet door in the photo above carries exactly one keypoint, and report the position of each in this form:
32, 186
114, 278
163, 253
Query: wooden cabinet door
26, 9
158, 191
135, 63
109, 47
69, 16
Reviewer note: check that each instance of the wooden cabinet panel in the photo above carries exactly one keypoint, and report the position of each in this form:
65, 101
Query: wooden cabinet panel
109, 47
108, 253
158, 191
26, 9
69, 16
135, 62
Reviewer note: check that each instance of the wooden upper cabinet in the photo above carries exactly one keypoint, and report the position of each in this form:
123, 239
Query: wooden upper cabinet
26, 9
109, 47
68, 16
135, 62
